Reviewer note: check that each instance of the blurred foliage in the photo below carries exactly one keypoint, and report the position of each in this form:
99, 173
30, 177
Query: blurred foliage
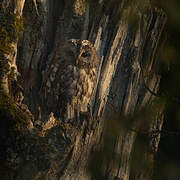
105, 158
167, 160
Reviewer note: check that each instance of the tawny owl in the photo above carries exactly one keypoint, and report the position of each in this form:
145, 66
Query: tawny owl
71, 79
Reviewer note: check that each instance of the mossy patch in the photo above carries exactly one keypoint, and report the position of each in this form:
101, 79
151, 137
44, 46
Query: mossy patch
10, 26
13, 124
11, 116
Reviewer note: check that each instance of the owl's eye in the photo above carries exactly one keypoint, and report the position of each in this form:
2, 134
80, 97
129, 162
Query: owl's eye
86, 54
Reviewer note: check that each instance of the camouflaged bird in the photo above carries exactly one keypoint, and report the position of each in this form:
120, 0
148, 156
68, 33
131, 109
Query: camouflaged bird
70, 81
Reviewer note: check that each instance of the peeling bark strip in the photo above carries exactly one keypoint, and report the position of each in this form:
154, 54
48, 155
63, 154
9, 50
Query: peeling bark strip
50, 148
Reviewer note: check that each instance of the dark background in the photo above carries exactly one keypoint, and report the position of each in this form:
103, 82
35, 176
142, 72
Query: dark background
167, 162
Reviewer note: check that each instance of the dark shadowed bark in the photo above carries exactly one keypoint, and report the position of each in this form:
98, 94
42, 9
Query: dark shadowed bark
125, 106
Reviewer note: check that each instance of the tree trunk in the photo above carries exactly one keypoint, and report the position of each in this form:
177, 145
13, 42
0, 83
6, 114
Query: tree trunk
124, 107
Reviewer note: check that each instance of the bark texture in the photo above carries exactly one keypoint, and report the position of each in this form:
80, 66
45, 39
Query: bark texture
44, 147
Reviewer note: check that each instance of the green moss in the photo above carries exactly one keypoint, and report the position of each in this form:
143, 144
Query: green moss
10, 27
12, 125
11, 116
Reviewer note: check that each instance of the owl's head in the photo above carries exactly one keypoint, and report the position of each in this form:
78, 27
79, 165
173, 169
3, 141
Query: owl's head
80, 53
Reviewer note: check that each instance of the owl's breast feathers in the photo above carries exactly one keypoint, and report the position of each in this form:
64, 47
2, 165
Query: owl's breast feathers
71, 79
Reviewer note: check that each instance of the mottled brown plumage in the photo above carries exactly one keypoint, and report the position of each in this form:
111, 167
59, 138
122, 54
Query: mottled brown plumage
71, 79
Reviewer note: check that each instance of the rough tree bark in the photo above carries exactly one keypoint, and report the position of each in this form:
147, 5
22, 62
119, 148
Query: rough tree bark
126, 37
